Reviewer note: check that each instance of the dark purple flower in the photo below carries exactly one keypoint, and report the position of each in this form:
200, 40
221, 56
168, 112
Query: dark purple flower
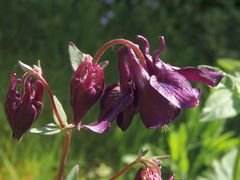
155, 109
87, 86
158, 91
22, 109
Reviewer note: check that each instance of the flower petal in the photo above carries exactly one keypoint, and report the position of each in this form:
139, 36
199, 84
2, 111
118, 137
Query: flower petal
155, 110
124, 119
146, 53
203, 75
87, 86
113, 102
123, 66
175, 88
99, 127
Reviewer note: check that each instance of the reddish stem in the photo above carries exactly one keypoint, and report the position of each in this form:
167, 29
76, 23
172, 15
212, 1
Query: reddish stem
66, 144
50, 95
122, 171
120, 41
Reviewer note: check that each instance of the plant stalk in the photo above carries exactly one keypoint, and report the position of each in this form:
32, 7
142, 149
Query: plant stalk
120, 41
66, 144
125, 169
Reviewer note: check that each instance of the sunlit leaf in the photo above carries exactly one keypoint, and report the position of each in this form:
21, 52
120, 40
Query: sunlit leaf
225, 168
232, 83
74, 173
61, 111
76, 56
221, 104
49, 129
229, 64
178, 149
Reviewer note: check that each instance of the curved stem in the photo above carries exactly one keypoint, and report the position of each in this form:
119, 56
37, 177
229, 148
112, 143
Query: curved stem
66, 144
50, 95
120, 41
122, 171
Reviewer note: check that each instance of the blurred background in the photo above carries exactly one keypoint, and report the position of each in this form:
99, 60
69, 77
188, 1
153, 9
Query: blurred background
196, 32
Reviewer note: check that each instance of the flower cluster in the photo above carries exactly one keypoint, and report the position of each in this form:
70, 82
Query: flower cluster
148, 86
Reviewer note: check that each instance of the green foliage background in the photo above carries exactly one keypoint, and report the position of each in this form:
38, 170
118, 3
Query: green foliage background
196, 32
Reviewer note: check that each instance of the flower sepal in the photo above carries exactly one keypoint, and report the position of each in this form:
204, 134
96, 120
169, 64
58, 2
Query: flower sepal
76, 56
36, 69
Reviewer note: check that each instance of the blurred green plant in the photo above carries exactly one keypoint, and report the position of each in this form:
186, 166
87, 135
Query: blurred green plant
228, 167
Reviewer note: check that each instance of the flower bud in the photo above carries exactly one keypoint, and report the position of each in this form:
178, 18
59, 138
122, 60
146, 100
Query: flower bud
22, 109
87, 86
148, 173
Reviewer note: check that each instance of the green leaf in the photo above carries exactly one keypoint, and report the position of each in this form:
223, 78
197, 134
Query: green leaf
76, 56
232, 83
61, 112
225, 168
178, 144
221, 104
236, 172
229, 64
49, 129
74, 173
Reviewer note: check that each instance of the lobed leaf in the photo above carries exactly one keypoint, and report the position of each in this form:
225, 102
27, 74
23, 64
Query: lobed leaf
61, 112
49, 129
221, 104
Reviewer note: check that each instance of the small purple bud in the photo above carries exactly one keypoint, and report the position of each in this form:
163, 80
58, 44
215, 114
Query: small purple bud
87, 86
22, 109
148, 173
172, 177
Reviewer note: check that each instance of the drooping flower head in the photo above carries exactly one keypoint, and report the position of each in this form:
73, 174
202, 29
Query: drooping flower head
23, 108
158, 91
87, 86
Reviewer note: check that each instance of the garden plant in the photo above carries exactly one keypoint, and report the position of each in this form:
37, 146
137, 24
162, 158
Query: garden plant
147, 86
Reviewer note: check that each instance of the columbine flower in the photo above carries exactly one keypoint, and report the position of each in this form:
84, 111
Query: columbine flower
22, 109
87, 86
158, 91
